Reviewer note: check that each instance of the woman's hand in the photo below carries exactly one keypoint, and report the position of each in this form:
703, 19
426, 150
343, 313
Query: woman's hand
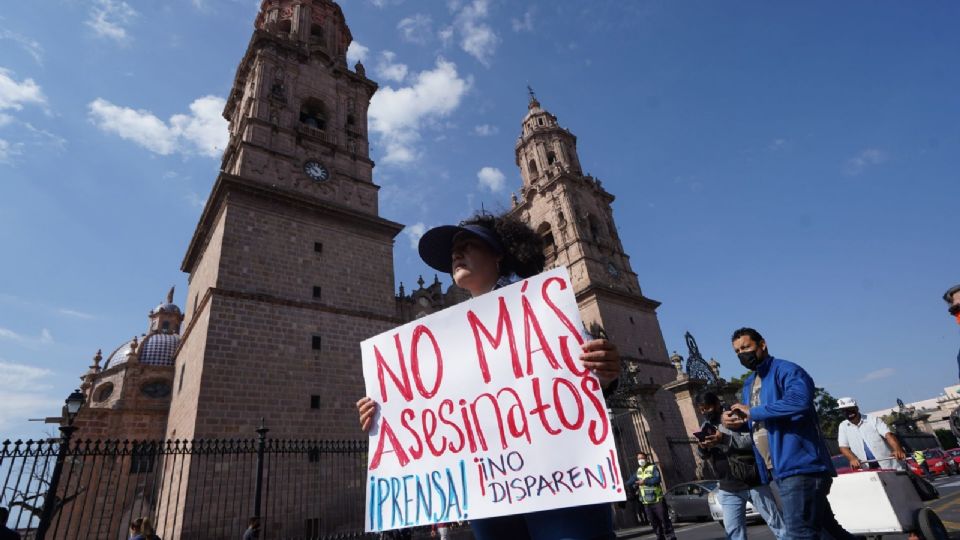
367, 408
603, 359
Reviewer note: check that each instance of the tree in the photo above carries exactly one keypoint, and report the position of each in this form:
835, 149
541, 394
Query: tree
830, 415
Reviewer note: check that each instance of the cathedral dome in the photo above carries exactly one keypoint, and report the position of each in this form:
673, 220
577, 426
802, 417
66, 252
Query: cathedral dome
166, 307
155, 350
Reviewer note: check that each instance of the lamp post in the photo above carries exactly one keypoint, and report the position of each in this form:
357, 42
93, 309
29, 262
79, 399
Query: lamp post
73, 404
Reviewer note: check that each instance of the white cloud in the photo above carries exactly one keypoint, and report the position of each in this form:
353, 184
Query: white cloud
524, 24
445, 35
414, 232
203, 131
108, 18
14, 95
416, 28
196, 200
45, 337
356, 53
5, 119
881, 373
7, 151
491, 178
388, 69
485, 130
32, 46
75, 314
866, 158
477, 38
777, 144
23, 391
385, 3
398, 115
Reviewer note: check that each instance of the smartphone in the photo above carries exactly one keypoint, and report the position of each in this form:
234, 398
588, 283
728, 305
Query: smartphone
705, 431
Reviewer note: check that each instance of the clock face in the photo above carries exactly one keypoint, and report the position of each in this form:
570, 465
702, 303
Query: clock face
316, 170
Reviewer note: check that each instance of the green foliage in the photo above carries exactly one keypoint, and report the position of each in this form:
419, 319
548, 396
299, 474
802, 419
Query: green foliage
830, 416
947, 438
739, 380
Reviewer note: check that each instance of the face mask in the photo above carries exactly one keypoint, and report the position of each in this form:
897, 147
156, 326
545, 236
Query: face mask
641, 462
749, 359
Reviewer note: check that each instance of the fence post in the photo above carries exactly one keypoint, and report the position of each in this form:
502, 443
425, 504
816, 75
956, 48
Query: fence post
50, 499
261, 445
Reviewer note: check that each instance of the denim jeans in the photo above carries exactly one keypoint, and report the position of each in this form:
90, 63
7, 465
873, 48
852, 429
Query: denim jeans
734, 505
806, 510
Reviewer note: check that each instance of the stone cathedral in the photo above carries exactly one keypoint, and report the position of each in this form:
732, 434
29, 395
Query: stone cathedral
291, 267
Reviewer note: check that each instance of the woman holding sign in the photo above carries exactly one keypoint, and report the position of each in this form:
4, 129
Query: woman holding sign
482, 254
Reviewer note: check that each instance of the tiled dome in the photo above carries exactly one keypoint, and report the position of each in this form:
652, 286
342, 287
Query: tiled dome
158, 349
167, 307
155, 350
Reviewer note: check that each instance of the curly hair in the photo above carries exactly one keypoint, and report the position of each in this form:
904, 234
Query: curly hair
523, 248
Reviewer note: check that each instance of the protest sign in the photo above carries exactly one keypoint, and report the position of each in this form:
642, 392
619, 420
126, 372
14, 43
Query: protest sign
485, 410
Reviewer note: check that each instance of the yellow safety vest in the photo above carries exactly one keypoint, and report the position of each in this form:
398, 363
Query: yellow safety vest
649, 494
918, 457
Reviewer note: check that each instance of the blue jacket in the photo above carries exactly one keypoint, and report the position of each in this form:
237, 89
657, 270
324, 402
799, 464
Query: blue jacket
787, 411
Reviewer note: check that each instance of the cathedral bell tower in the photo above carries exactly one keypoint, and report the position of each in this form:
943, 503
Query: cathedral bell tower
290, 265
572, 212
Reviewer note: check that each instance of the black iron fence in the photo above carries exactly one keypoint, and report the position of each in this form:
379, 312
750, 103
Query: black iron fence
202, 489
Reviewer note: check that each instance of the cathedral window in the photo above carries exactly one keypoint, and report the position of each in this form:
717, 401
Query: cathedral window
551, 158
316, 31
540, 121
532, 166
549, 245
316, 343
351, 120
318, 247
103, 392
594, 228
314, 402
316, 292
313, 114
165, 327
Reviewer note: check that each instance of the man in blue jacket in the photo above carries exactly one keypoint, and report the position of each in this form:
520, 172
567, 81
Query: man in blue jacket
778, 410
952, 298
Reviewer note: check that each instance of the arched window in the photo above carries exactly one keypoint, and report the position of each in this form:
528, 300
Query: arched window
316, 32
551, 158
594, 227
532, 166
284, 26
549, 244
313, 113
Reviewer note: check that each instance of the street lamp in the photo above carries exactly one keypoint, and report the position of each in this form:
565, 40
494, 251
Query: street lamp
73, 403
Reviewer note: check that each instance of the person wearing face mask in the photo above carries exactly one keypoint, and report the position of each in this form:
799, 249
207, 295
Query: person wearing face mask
867, 441
731, 454
778, 411
952, 298
647, 485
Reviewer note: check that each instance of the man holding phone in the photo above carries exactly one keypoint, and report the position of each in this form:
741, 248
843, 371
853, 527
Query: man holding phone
731, 454
779, 413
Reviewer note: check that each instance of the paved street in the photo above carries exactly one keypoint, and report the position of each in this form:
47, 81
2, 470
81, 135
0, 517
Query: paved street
947, 507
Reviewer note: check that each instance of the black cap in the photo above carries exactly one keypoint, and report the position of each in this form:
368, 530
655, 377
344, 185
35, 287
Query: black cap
436, 245
947, 296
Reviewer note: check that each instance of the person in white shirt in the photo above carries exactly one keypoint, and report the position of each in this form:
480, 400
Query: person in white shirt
867, 441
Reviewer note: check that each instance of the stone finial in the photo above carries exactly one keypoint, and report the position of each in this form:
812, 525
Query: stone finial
362, 71
715, 367
436, 279
533, 98
677, 362
170, 295
513, 199
97, 358
402, 291
132, 353
420, 281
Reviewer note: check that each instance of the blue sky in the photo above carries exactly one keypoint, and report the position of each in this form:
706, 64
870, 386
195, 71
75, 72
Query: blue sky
791, 166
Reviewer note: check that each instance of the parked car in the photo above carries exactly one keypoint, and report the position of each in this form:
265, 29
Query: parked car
717, 512
937, 461
954, 454
688, 501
